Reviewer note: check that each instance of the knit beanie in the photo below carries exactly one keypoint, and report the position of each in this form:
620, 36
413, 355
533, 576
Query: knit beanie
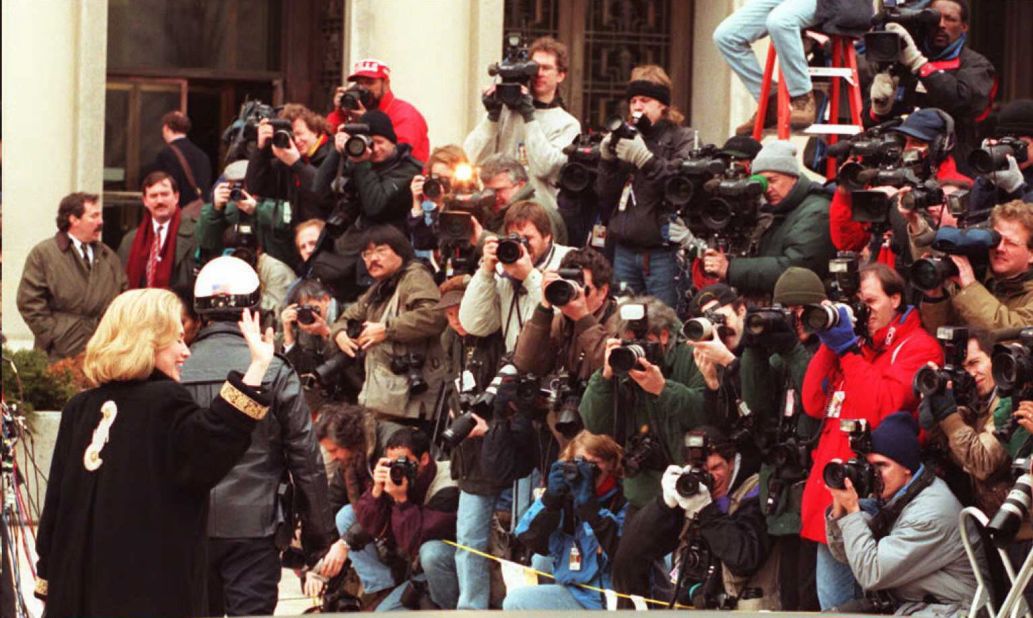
379, 124
799, 286
778, 156
896, 437
1015, 118
722, 293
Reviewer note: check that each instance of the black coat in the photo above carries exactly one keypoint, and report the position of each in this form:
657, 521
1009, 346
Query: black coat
200, 166
267, 176
128, 539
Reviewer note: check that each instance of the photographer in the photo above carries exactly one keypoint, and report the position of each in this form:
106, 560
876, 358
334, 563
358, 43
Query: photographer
372, 90
232, 204
907, 555
400, 330
851, 378
412, 505
652, 405
577, 523
796, 234
711, 519
641, 220
306, 236
1014, 180
966, 432
1005, 298
289, 172
507, 178
423, 215
940, 71
533, 129
506, 288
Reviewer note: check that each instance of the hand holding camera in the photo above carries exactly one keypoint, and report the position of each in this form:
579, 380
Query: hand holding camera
909, 55
490, 255
564, 289
282, 140
416, 188
715, 264
513, 252
839, 336
634, 151
649, 377
525, 105
844, 500
556, 483
936, 406
491, 103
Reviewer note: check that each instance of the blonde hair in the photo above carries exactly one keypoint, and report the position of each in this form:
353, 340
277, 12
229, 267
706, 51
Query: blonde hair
598, 445
1015, 211
135, 326
450, 155
656, 74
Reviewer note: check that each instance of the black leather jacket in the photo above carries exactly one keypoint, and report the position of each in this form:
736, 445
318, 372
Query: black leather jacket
244, 504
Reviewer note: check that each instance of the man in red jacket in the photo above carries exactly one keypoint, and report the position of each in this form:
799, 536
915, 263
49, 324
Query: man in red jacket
375, 77
853, 379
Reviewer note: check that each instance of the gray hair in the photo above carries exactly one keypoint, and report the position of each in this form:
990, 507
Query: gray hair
659, 315
501, 164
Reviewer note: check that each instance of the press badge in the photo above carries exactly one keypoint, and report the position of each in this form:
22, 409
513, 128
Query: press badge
286, 213
790, 406
627, 195
599, 236
574, 563
836, 404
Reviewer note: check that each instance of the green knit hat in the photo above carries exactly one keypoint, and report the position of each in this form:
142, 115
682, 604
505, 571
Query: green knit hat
799, 286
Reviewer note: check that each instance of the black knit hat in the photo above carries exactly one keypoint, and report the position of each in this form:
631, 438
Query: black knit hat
379, 124
896, 437
741, 147
1015, 118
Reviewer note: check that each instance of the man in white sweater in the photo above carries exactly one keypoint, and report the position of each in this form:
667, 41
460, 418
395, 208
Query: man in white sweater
536, 129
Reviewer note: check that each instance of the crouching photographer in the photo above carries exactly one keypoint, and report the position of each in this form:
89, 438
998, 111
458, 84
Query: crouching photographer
577, 522
412, 507
906, 551
709, 514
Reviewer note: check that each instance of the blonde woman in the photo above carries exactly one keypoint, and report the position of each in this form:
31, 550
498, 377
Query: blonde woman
123, 526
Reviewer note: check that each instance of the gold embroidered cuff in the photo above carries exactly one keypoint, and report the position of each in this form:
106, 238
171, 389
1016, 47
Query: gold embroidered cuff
239, 400
41, 589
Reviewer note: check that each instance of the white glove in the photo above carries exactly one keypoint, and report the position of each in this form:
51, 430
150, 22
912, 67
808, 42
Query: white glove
604, 148
883, 92
694, 504
634, 151
667, 483
1009, 179
909, 56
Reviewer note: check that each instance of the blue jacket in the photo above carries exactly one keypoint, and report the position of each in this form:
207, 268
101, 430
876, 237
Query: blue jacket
553, 525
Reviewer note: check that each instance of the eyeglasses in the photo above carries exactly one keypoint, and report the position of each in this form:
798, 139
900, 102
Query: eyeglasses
381, 252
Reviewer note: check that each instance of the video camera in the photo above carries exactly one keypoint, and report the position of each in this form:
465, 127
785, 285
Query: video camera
974, 243
625, 358
862, 475
523, 391
883, 47
701, 165
578, 174
994, 158
930, 381
1013, 367
515, 71
732, 209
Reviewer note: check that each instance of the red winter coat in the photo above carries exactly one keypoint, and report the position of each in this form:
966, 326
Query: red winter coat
849, 235
408, 123
877, 383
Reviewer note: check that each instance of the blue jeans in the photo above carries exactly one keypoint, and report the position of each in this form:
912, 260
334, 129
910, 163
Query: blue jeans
375, 575
782, 20
439, 571
836, 582
629, 267
473, 527
549, 596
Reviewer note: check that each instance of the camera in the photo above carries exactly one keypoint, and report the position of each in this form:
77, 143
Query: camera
625, 358
930, 381
701, 165
922, 196
995, 158
578, 174
566, 289
846, 277
882, 46
326, 374
455, 226
359, 139
515, 70
236, 191
521, 390
401, 469
411, 366
511, 248
696, 449
618, 129
642, 452
1005, 523
733, 206
764, 323
307, 314
436, 186
704, 328
244, 128
974, 243
1013, 367
356, 97
572, 470
820, 317
862, 474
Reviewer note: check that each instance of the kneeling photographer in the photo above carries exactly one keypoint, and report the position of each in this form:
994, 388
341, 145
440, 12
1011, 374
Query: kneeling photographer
401, 330
710, 516
577, 522
412, 503
906, 552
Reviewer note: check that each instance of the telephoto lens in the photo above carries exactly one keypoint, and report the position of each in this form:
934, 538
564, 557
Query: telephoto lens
625, 358
357, 145
459, 430
700, 329
510, 249
820, 317
1006, 521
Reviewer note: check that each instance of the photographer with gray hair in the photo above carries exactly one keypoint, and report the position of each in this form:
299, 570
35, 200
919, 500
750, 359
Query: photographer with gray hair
509, 181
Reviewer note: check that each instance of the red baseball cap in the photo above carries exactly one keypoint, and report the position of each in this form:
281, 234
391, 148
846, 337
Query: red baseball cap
370, 67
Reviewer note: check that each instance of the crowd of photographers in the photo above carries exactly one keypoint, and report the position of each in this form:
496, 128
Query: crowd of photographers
690, 373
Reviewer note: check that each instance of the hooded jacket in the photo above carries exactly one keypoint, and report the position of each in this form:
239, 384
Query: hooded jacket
873, 384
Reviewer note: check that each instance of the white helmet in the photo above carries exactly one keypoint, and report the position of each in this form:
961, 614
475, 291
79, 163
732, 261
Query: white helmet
226, 285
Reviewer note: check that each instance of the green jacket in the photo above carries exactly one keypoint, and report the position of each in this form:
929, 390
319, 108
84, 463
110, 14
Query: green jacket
677, 409
798, 236
764, 375
272, 221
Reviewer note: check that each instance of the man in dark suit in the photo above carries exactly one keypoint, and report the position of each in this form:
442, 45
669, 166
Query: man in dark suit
174, 128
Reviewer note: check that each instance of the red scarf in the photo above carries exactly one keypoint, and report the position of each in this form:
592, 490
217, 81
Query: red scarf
136, 269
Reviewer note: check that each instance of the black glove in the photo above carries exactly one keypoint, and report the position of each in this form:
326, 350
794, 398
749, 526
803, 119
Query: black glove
525, 107
493, 105
934, 408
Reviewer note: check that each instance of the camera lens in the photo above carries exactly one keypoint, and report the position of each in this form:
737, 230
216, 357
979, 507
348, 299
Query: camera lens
929, 381
509, 251
990, 159
306, 315
817, 318
1006, 522
357, 145
434, 188
458, 430
687, 484
698, 329
282, 139
575, 177
930, 273
834, 475
679, 190
560, 292
625, 358
718, 215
